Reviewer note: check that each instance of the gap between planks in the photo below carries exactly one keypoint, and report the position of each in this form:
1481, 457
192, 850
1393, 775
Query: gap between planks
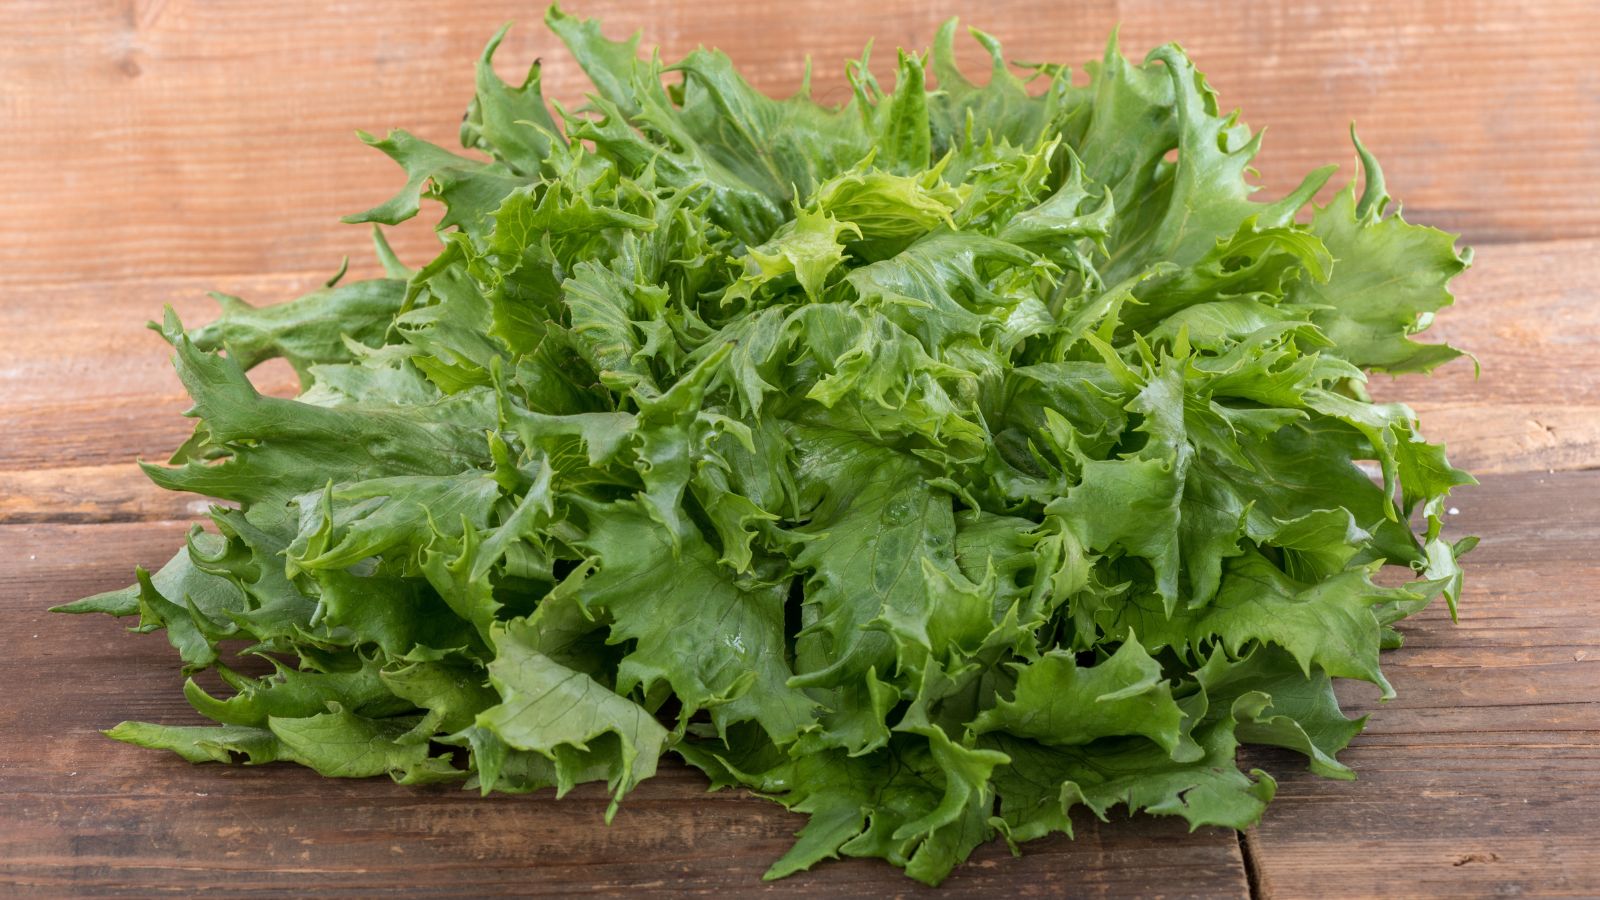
1252, 871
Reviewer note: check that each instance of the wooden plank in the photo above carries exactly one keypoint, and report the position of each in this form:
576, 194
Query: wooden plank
96, 427
173, 144
80, 814
85, 494
91, 386
209, 138
1475, 780
1479, 778
1530, 313
95, 390
87, 339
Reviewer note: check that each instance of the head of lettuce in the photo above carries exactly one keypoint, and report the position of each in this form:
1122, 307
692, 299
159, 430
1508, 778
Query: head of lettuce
933, 465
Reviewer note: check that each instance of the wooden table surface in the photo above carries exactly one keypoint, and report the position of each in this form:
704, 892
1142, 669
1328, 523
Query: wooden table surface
159, 149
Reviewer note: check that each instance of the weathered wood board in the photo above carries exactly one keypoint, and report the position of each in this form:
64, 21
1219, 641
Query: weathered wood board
162, 149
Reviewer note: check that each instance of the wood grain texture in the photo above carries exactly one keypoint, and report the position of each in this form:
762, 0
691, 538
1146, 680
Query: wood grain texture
162, 149
1475, 781
87, 494
1530, 313
82, 815
1480, 777
190, 138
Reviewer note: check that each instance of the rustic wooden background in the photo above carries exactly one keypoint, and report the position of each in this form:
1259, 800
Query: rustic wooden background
159, 149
